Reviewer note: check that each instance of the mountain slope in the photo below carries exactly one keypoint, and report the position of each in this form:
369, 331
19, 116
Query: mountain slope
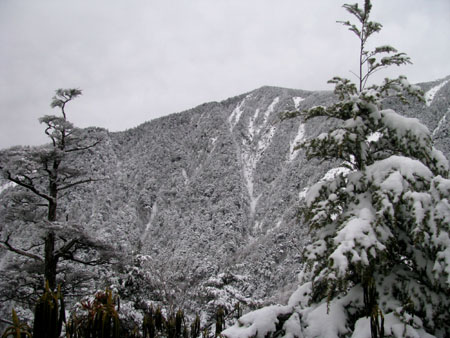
216, 189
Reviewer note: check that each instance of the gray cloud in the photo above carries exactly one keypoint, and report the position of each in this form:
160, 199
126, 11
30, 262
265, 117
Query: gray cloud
137, 60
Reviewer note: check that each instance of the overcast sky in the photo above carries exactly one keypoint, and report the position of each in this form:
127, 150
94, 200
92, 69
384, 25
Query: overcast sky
137, 60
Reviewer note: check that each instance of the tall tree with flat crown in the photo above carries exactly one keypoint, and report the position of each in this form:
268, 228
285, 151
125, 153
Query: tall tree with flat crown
381, 231
42, 174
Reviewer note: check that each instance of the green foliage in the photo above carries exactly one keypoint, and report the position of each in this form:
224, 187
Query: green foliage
155, 325
195, 327
370, 61
63, 96
49, 314
220, 320
148, 325
17, 329
101, 320
377, 227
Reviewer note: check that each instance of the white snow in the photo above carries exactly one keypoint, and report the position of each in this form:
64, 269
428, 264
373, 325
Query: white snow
332, 173
297, 140
404, 125
251, 125
249, 165
6, 186
278, 223
270, 109
374, 137
292, 327
326, 320
257, 323
185, 176
265, 140
302, 194
355, 239
441, 123
152, 217
259, 138
408, 168
429, 95
297, 100
301, 296
236, 114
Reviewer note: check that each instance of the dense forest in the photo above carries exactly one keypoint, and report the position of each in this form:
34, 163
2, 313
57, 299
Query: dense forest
201, 223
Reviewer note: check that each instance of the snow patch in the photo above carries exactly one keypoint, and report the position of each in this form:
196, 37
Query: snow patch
251, 125
259, 137
236, 114
297, 140
7, 185
310, 194
332, 173
429, 95
297, 100
302, 194
374, 137
270, 109
152, 217
441, 123
185, 176
326, 320
409, 168
259, 323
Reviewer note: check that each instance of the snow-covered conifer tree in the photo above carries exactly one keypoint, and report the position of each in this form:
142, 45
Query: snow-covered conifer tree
42, 175
379, 261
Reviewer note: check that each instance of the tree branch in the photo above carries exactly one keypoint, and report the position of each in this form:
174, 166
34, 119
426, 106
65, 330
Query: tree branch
83, 148
89, 263
78, 182
19, 251
6, 321
27, 186
63, 251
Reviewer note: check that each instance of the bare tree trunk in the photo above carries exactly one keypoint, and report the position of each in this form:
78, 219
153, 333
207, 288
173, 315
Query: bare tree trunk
50, 260
372, 311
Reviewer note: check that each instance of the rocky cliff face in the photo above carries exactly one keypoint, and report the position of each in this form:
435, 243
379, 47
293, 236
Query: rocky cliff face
216, 189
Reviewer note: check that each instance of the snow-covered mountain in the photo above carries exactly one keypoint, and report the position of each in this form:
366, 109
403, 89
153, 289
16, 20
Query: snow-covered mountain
216, 190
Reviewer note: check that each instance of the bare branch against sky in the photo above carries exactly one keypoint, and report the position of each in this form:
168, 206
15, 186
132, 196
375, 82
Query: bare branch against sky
139, 59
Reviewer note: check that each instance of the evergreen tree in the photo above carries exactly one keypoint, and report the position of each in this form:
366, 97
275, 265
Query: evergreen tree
42, 175
378, 264
381, 246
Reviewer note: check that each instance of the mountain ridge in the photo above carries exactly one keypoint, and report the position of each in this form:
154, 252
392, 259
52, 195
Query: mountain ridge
216, 189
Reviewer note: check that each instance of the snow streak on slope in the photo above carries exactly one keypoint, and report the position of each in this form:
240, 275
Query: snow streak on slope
152, 217
259, 136
297, 140
235, 116
441, 123
429, 95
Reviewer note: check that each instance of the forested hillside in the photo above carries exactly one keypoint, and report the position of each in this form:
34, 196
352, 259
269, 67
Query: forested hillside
197, 195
